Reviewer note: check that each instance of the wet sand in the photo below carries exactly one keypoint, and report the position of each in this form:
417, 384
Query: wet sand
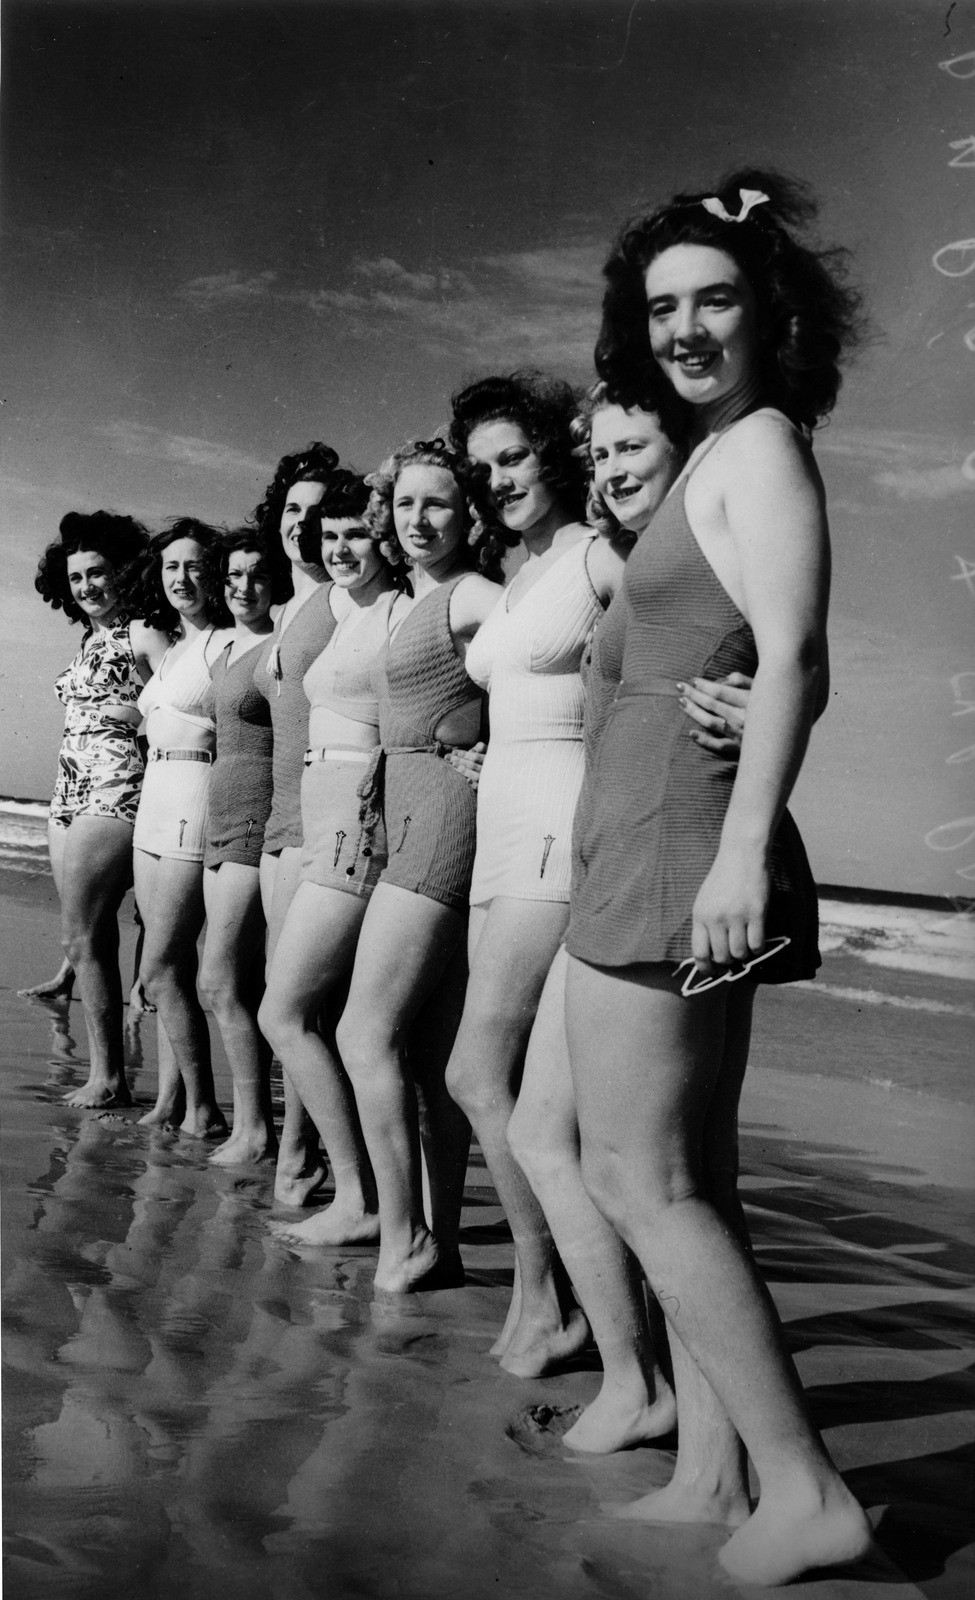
192, 1410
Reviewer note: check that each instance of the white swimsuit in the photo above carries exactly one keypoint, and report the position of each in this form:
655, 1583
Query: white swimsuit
172, 817
528, 658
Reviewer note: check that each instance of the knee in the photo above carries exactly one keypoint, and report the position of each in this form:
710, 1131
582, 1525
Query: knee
276, 1023
635, 1195
540, 1156
217, 988
360, 1045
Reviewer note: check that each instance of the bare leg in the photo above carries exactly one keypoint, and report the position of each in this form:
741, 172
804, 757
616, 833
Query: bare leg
170, 895
646, 1065
512, 947
406, 944
96, 872
710, 1481
138, 1000
445, 1133
232, 980
635, 1403
300, 1169
315, 949
60, 986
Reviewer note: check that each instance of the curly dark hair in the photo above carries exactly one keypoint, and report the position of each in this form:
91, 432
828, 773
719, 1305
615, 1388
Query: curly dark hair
217, 559
487, 538
597, 398
147, 598
808, 312
543, 407
346, 495
315, 464
120, 540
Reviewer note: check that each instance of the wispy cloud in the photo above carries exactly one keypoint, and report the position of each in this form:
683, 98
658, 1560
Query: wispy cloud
138, 439
538, 305
912, 466
226, 289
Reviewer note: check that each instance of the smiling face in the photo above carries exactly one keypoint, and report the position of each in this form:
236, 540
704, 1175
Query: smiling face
247, 586
91, 581
702, 321
428, 514
350, 555
520, 493
300, 506
182, 577
633, 462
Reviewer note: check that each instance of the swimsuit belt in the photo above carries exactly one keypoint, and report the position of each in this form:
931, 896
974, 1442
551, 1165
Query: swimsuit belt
339, 752
371, 789
155, 754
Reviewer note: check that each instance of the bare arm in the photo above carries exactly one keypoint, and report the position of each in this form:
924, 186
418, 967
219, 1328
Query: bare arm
149, 645
775, 516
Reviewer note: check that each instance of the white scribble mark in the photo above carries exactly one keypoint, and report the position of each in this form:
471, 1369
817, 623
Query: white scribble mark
966, 152
960, 66
966, 249
958, 694
943, 837
969, 340
959, 757
965, 574
968, 467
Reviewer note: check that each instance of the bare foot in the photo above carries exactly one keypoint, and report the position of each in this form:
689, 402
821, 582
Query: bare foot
244, 1149
689, 1502
330, 1226
297, 1188
613, 1422
57, 988
166, 1114
425, 1266
535, 1349
99, 1093
204, 1122
796, 1531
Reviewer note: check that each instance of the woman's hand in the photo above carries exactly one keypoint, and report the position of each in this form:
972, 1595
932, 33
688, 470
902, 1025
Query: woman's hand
468, 762
719, 711
729, 912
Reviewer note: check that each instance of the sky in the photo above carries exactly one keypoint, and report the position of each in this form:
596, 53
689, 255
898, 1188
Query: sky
230, 228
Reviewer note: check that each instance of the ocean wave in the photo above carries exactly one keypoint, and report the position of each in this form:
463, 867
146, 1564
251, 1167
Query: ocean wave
23, 834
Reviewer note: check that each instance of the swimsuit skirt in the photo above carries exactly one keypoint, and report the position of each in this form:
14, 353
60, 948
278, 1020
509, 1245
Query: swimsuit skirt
657, 800
529, 659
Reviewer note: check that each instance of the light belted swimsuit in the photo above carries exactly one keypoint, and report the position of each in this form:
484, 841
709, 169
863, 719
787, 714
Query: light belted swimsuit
341, 849
172, 819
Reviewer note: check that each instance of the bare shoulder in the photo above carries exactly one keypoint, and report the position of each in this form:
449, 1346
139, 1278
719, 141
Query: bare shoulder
145, 640
764, 442
474, 598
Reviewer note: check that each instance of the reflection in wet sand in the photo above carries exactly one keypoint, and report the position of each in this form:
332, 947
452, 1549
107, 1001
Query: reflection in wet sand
194, 1410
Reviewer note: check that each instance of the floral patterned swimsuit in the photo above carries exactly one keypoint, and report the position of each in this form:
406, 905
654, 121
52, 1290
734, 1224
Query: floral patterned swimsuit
100, 764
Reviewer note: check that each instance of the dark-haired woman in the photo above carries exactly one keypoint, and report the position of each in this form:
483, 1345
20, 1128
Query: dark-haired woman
342, 855
249, 574
171, 824
395, 1033
694, 886
289, 514
99, 772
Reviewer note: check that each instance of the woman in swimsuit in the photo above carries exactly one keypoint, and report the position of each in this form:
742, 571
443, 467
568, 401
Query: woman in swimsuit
288, 513
250, 572
633, 462
170, 828
342, 856
396, 1031
690, 864
99, 773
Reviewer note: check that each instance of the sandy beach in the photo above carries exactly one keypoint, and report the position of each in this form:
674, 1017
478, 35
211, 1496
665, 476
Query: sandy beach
193, 1410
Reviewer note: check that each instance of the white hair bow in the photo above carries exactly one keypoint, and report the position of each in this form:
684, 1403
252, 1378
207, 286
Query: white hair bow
749, 198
